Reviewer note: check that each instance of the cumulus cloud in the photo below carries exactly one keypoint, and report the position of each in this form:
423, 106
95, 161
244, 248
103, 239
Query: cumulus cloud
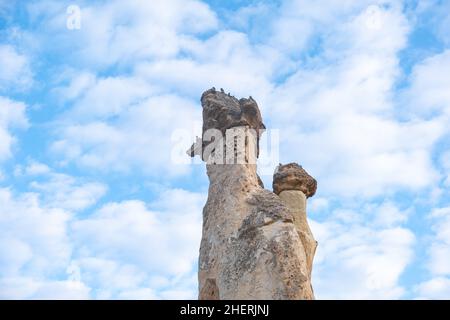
123, 246
118, 33
64, 191
348, 133
16, 72
128, 249
107, 97
29, 288
325, 74
436, 288
34, 241
215, 62
428, 94
362, 252
62, 290
15, 75
139, 138
59, 190
438, 263
12, 115
35, 244
37, 168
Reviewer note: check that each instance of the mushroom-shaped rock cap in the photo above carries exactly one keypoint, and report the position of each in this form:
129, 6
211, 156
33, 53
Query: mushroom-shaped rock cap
293, 177
222, 111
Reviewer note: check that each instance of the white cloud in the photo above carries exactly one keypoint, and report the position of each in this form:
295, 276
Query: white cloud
30, 288
436, 288
79, 82
439, 251
317, 204
106, 97
64, 191
59, 190
17, 287
12, 115
445, 163
215, 62
347, 132
387, 215
122, 250
36, 168
110, 277
249, 17
427, 97
292, 34
445, 160
116, 32
429, 92
63, 290
34, 243
356, 260
171, 236
15, 70
139, 138
122, 244
298, 23
138, 294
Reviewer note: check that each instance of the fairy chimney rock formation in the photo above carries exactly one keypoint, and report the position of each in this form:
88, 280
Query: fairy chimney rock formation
294, 185
256, 244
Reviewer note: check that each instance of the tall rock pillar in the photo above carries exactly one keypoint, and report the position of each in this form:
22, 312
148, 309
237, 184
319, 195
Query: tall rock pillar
255, 243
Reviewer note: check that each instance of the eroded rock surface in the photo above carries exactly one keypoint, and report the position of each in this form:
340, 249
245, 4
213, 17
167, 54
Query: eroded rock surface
255, 245
222, 111
293, 177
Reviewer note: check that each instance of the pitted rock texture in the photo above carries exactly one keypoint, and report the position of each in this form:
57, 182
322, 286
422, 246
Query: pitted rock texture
223, 111
250, 246
295, 200
255, 245
293, 177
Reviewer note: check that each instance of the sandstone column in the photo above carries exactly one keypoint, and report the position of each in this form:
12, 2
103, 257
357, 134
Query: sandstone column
294, 185
255, 244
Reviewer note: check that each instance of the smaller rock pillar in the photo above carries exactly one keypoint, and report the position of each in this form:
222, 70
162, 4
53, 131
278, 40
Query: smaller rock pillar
294, 185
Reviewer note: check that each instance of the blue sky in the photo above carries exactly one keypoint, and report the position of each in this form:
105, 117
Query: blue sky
93, 207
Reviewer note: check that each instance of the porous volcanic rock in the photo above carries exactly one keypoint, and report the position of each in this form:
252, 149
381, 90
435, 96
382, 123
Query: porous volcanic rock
293, 177
254, 245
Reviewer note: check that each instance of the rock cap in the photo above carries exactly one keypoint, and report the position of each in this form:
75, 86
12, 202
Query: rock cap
222, 111
292, 176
